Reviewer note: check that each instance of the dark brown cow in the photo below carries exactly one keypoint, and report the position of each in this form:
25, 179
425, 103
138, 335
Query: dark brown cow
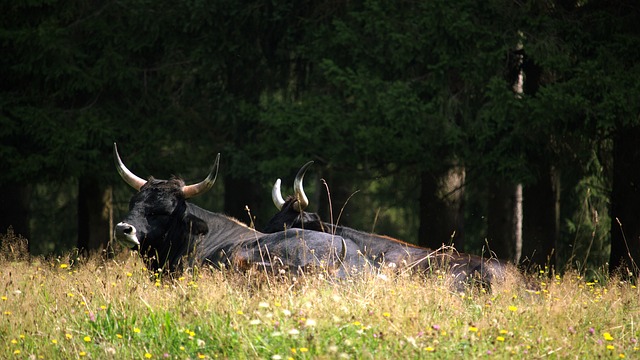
167, 229
383, 249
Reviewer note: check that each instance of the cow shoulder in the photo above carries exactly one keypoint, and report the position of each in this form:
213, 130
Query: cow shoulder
196, 225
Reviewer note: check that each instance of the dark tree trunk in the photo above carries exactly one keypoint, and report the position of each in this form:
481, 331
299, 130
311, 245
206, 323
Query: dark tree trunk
94, 215
625, 202
540, 228
14, 209
502, 220
240, 194
339, 190
442, 209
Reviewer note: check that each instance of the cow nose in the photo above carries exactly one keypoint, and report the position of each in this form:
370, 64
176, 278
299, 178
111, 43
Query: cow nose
126, 234
125, 228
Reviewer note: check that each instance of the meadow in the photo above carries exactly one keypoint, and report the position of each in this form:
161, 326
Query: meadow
68, 307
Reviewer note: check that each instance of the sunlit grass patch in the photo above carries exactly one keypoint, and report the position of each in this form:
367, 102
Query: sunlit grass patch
114, 309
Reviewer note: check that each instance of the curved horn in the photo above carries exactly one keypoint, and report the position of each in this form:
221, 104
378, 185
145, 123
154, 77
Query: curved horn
343, 253
190, 191
129, 177
298, 189
276, 195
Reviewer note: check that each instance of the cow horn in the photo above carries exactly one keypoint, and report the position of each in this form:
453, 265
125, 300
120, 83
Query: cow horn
298, 189
129, 177
343, 253
276, 195
190, 191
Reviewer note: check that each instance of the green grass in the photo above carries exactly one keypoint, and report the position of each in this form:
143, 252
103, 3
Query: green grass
95, 309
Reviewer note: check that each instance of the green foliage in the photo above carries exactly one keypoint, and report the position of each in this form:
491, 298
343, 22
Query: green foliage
380, 91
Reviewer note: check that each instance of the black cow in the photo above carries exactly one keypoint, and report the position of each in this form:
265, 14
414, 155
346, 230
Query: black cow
167, 229
383, 249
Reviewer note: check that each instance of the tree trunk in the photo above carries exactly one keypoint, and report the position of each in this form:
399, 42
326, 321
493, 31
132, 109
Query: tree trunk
625, 203
95, 215
240, 194
340, 189
541, 224
502, 220
518, 224
14, 209
442, 209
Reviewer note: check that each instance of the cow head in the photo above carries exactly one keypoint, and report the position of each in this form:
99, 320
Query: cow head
157, 218
292, 214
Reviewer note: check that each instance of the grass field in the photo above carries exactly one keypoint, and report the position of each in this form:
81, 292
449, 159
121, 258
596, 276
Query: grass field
116, 309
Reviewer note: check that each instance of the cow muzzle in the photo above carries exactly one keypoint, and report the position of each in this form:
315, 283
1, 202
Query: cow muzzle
126, 235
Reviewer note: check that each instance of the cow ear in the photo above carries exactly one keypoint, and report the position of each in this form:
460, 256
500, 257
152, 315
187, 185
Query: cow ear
196, 225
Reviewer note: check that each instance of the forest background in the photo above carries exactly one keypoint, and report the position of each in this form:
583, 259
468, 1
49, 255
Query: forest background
503, 126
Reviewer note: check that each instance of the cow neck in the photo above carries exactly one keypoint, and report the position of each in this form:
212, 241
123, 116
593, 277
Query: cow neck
224, 233
176, 242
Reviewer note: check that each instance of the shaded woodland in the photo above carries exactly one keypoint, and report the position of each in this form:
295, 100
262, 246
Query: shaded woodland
504, 127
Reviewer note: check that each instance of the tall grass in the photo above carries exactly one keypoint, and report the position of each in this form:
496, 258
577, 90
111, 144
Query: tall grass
65, 308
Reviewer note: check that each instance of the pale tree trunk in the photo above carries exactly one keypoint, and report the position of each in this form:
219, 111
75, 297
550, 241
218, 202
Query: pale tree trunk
504, 225
518, 89
518, 224
442, 209
95, 215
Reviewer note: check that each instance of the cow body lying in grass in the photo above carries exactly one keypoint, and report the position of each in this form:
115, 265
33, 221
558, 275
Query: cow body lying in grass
383, 249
